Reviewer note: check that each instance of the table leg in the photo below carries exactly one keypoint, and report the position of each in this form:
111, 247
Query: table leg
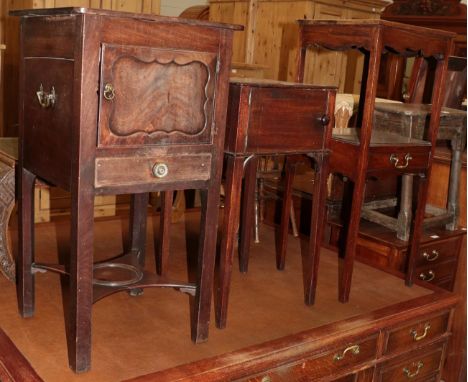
137, 227
162, 252
247, 213
233, 186
7, 203
406, 202
453, 207
25, 282
206, 262
81, 279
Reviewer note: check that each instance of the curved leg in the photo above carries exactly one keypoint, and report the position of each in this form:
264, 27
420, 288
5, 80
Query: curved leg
7, 203
234, 169
247, 213
25, 282
162, 252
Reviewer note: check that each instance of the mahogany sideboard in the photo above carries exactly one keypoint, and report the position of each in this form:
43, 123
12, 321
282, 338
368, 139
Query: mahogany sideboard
115, 103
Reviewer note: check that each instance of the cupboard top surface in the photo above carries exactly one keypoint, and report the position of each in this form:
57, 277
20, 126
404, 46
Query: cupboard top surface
108, 13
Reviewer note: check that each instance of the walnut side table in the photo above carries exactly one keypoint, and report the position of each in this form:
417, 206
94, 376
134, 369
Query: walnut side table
115, 103
271, 118
357, 153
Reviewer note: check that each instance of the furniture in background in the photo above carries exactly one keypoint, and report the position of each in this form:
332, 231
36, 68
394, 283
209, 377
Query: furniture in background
357, 153
136, 61
267, 117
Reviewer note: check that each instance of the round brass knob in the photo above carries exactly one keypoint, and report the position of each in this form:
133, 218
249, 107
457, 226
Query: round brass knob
160, 170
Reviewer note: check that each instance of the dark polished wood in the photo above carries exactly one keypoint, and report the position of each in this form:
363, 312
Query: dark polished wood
269, 118
356, 155
112, 103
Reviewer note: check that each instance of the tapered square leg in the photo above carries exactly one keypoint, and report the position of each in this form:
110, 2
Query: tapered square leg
137, 227
162, 252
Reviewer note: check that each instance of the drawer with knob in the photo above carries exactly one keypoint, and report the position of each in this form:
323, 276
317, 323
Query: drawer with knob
122, 171
422, 365
416, 333
324, 364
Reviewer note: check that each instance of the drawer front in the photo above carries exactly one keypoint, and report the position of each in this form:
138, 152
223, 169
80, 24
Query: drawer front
419, 332
48, 110
156, 96
325, 364
437, 252
147, 170
435, 273
400, 159
286, 119
423, 365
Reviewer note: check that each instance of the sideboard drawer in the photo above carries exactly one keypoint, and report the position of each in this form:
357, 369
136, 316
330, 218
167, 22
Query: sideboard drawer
419, 332
407, 159
435, 253
434, 273
120, 171
324, 364
423, 365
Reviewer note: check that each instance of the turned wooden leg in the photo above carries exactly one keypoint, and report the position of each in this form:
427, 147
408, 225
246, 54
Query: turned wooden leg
423, 185
81, 279
247, 213
137, 227
290, 168
162, 252
206, 262
233, 186
316, 229
344, 285
25, 280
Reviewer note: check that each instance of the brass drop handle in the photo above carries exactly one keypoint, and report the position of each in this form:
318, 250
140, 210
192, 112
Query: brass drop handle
160, 170
109, 92
354, 349
416, 336
46, 99
394, 159
427, 277
428, 257
407, 372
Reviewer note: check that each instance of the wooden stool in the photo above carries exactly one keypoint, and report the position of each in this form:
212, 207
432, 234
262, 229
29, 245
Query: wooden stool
358, 153
271, 118
116, 103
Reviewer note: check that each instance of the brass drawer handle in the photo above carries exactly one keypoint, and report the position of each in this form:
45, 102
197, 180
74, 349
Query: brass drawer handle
409, 374
266, 378
417, 337
427, 277
354, 349
109, 92
428, 257
160, 170
394, 159
46, 99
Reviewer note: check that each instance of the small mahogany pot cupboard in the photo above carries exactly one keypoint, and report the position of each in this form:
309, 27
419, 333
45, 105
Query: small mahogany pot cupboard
115, 103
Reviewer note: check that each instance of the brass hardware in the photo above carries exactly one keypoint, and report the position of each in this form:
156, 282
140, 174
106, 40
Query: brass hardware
354, 349
325, 119
428, 257
427, 277
417, 337
160, 170
109, 92
266, 378
409, 374
394, 159
46, 99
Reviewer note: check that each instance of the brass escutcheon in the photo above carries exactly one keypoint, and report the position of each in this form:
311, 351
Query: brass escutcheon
109, 92
394, 159
46, 99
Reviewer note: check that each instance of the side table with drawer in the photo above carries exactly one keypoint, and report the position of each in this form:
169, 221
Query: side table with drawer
115, 103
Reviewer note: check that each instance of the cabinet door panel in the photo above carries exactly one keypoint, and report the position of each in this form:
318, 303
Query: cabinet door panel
155, 96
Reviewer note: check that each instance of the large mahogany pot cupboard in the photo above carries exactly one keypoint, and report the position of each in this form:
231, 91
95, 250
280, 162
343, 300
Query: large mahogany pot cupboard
86, 126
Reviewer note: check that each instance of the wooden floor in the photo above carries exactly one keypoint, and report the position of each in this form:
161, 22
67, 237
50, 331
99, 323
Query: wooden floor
134, 336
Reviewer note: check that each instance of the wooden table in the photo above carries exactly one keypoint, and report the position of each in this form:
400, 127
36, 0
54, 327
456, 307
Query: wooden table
268, 117
116, 103
357, 153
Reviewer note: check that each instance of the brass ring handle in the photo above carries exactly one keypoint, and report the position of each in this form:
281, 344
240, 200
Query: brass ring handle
417, 337
428, 257
46, 99
409, 374
427, 277
160, 170
109, 92
394, 159
354, 349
